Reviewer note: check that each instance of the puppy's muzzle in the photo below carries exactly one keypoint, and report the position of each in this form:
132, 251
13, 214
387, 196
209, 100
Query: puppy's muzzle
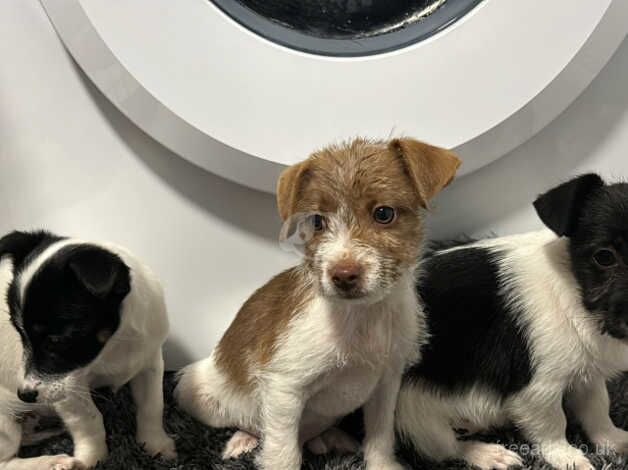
27, 395
346, 276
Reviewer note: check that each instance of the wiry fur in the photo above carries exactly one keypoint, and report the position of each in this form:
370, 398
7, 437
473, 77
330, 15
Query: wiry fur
309, 347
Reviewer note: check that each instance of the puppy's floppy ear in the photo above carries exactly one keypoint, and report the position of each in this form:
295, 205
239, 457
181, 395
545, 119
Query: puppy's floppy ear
430, 168
560, 208
102, 274
288, 187
18, 245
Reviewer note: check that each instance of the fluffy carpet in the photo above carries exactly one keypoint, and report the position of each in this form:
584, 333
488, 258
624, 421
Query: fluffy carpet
199, 447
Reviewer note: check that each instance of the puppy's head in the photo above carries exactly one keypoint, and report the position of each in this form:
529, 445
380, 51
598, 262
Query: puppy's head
362, 204
65, 302
594, 216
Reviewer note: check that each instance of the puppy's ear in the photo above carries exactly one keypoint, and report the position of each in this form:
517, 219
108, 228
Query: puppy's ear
430, 168
101, 273
288, 187
18, 245
560, 208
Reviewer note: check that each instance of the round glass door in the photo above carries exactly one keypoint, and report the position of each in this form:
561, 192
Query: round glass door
346, 27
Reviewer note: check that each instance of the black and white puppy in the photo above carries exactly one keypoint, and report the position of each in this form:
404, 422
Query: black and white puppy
76, 316
517, 324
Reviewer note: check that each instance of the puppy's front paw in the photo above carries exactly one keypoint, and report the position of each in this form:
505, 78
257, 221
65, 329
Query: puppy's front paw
489, 456
614, 440
158, 443
566, 457
61, 462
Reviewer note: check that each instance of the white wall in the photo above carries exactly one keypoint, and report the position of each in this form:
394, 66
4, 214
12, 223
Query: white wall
591, 135
70, 162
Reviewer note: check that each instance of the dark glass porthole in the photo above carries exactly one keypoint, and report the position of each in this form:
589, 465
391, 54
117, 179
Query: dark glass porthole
346, 27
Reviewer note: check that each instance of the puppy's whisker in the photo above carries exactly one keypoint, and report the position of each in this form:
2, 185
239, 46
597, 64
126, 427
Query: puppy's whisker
121, 339
599, 292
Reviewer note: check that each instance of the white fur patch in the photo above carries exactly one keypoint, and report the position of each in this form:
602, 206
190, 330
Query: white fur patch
35, 265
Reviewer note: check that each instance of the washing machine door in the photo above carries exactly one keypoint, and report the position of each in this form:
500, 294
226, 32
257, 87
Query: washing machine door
244, 87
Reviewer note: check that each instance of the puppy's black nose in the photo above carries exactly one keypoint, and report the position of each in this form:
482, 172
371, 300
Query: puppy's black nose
27, 395
346, 275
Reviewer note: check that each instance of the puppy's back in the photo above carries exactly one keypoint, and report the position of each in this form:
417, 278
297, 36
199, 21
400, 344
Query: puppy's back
475, 333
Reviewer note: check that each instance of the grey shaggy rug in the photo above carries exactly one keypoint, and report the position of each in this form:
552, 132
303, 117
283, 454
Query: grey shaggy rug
199, 447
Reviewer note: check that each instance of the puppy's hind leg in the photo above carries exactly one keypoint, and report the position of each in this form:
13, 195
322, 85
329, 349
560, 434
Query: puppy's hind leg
422, 421
240, 443
10, 437
206, 394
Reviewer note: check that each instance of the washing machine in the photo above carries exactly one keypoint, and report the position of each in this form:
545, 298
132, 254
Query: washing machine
244, 87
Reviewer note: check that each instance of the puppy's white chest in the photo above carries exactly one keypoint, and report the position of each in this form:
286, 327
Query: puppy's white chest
344, 390
341, 354
358, 354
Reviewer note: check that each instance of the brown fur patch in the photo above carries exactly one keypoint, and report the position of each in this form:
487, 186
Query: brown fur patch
430, 168
250, 340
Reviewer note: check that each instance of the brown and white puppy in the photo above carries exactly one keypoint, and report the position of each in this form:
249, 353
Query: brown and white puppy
334, 333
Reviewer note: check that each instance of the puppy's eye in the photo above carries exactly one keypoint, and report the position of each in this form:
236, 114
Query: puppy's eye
384, 214
53, 343
605, 258
318, 221
103, 336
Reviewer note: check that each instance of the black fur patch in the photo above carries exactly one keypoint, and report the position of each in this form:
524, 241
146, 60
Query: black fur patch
561, 207
474, 336
72, 304
602, 225
24, 246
